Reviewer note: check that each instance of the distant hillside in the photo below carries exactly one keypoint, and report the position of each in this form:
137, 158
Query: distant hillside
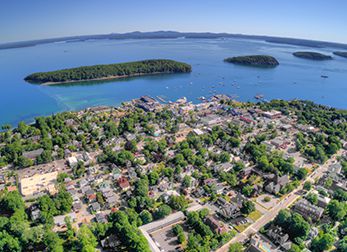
173, 35
306, 42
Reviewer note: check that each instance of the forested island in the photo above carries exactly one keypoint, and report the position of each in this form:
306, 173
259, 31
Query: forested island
312, 55
341, 54
254, 60
109, 71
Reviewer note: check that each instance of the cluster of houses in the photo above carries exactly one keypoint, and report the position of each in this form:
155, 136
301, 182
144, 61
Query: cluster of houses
103, 187
337, 178
276, 239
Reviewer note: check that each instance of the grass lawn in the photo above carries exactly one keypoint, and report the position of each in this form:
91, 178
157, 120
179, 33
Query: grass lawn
255, 215
240, 228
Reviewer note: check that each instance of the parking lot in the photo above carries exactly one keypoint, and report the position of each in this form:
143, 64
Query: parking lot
165, 239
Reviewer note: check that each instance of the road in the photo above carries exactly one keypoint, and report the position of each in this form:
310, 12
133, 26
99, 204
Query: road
284, 203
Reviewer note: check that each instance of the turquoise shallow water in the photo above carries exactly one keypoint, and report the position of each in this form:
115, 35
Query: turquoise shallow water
294, 78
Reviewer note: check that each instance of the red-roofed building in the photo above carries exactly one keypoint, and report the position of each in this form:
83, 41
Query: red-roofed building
91, 198
214, 224
245, 119
12, 188
123, 183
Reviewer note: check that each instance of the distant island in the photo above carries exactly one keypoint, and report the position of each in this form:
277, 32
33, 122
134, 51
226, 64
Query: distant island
254, 60
312, 56
110, 71
341, 54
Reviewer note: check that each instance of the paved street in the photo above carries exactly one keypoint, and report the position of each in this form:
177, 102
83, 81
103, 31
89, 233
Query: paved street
286, 202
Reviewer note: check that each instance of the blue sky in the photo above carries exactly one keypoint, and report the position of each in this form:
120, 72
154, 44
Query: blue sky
312, 19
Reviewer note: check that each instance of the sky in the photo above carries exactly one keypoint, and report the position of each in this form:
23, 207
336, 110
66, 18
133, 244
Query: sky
310, 19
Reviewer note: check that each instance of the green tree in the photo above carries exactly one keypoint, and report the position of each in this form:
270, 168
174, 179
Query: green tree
153, 178
146, 216
342, 246
53, 242
238, 166
45, 157
11, 201
187, 180
313, 198
247, 190
130, 237
298, 227
162, 211
224, 157
86, 239
236, 247
247, 207
294, 248
62, 176
301, 173
23, 162
178, 202
48, 209
337, 210
322, 242
63, 201
9, 243
79, 170
307, 185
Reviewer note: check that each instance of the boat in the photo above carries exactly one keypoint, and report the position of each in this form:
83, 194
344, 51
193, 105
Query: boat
324, 76
161, 99
259, 96
202, 98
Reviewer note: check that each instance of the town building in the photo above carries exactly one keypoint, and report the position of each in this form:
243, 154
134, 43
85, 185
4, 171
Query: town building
230, 211
273, 114
279, 237
38, 183
215, 225
259, 243
308, 210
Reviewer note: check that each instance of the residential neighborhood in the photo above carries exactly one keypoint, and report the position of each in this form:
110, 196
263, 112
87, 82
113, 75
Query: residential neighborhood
178, 176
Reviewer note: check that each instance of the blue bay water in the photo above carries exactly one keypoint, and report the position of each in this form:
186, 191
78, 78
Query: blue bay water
294, 78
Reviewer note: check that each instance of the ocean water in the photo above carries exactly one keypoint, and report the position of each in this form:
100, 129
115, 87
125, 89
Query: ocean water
294, 78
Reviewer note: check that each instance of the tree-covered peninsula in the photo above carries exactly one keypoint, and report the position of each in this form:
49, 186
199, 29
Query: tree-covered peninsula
312, 56
341, 54
254, 60
110, 71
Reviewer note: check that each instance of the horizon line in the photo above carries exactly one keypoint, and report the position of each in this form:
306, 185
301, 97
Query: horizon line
155, 31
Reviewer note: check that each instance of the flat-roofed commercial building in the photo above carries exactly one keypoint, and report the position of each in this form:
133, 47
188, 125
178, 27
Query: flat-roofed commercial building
38, 183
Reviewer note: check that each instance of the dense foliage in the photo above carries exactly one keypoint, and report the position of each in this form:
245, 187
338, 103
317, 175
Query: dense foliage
201, 238
111, 70
331, 122
254, 60
294, 224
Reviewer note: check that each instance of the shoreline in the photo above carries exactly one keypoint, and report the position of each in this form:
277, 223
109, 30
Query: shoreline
113, 77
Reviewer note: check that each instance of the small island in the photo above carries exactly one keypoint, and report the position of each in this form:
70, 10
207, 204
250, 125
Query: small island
108, 72
312, 56
341, 54
254, 60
